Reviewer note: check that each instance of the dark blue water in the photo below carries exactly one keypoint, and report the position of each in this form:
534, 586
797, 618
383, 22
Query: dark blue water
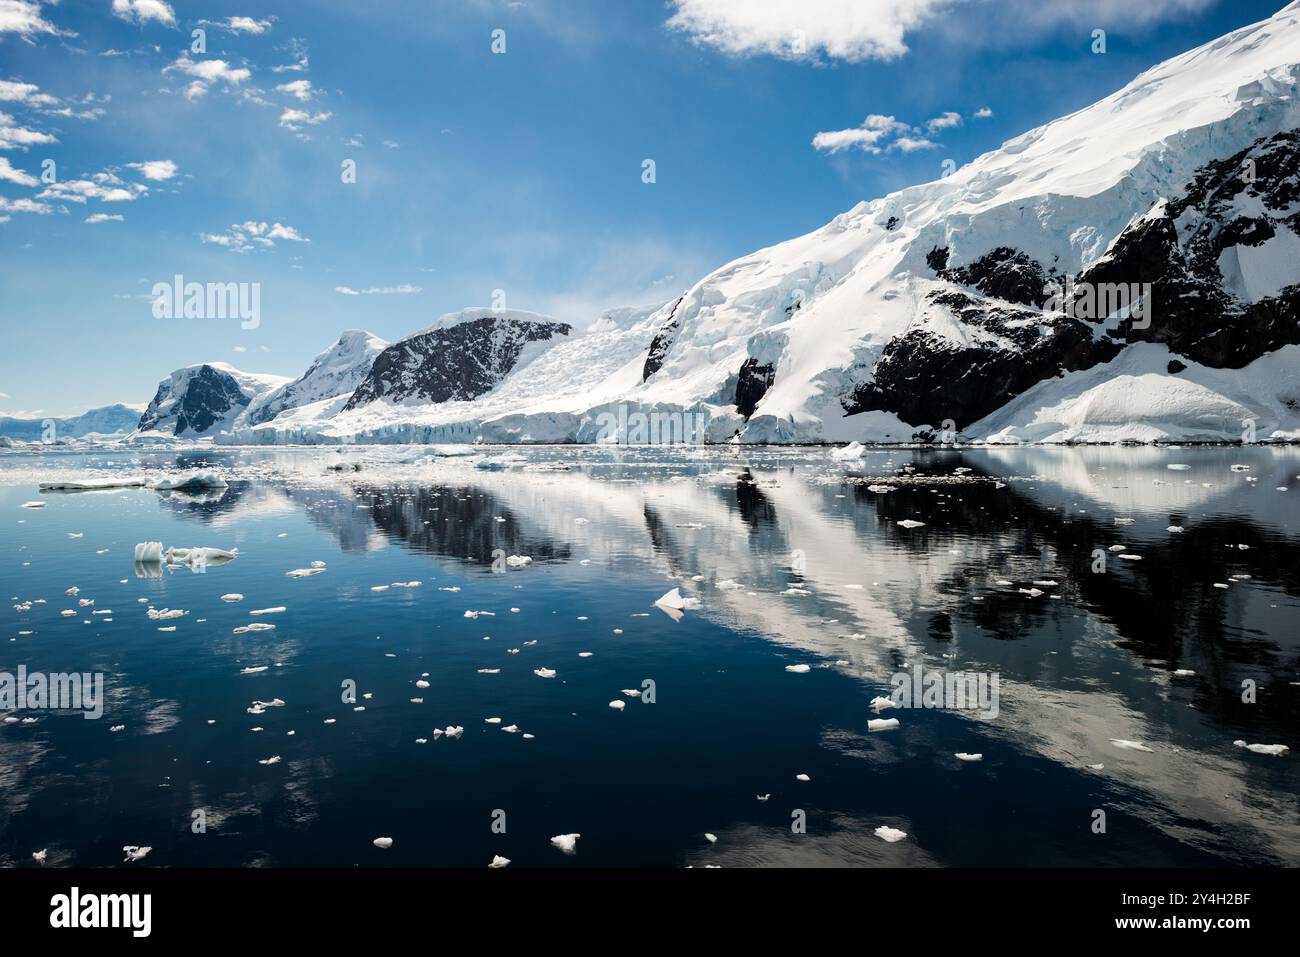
608, 535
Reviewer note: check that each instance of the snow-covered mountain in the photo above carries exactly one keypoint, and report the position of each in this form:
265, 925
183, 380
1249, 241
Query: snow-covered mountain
335, 372
204, 399
108, 420
1130, 271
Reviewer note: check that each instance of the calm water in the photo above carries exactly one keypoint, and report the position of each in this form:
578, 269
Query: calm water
814, 570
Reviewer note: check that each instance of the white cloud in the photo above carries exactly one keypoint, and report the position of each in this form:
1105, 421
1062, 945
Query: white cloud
241, 237
393, 144
944, 121
104, 218
104, 187
23, 206
852, 30
300, 89
156, 170
20, 137
23, 17
405, 289
206, 73
239, 24
142, 11
294, 119
868, 137
983, 113
9, 173
912, 144
241, 348
25, 93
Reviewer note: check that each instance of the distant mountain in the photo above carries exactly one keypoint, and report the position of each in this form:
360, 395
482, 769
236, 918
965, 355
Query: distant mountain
109, 420
204, 399
336, 371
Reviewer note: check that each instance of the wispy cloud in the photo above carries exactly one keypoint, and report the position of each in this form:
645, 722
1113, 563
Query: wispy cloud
206, 73
299, 89
292, 119
15, 137
241, 237
23, 17
406, 289
10, 174
105, 218
240, 24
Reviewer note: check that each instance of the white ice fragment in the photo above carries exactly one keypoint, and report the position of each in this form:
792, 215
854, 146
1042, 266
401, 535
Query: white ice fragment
882, 724
383, 843
568, 843
890, 834
268, 611
798, 669
498, 861
1277, 750
134, 853
618, 705
967, 756
149, 552
1130, 745
233, 596
910, 523
544, 672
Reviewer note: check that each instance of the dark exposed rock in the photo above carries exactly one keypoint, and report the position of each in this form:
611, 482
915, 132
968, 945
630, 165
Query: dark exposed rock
208, 397
453, 363
661, 343
1003, 273
1176, 367
752, 384
891, 224
924, 377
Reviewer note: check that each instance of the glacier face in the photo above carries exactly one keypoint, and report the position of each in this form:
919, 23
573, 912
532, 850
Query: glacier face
979, 303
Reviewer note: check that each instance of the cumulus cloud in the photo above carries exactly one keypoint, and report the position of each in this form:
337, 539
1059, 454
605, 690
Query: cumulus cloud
944, 121
15, 137
105, 187
295, 119
870, 137
23, 17
206, 73
241, 237
852, 30
983, 113
299, 89
26, 93
156, 170
105, 218
142, 11
12, 175
405, 289
23, 206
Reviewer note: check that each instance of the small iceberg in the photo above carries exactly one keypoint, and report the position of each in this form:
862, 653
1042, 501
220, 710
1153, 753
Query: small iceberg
568, 843
198, 480
890, 834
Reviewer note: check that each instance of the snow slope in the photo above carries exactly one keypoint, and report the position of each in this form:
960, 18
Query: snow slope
203, 400
335, 372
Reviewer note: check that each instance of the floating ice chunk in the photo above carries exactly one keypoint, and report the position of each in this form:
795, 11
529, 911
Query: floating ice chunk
1031, 592
1175, 529
195, 481
268, 611
910, 523
33, 505
379, 588
711, 838
1130, 558
200, 556
511, 729
1277, 750
890, 834
568, 843
1220, 585
1130, 745
880, 489
39, 856
476, 614
496, 671
1184, 672
498, 861
798, 669
273, 759
303, 572
802, 777
967, 756
134, 853
383, 843
518, 561
163, 614
453, 730
544, 672
75, 535
1125, 521
253, 669
618, 705
761, 797
1178, 468
149, 552
882, 724
118, 727
1241, 468
880, 703
491, 720
233, 596
88, 485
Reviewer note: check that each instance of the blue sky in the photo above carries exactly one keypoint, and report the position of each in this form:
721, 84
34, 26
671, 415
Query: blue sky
476, 170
